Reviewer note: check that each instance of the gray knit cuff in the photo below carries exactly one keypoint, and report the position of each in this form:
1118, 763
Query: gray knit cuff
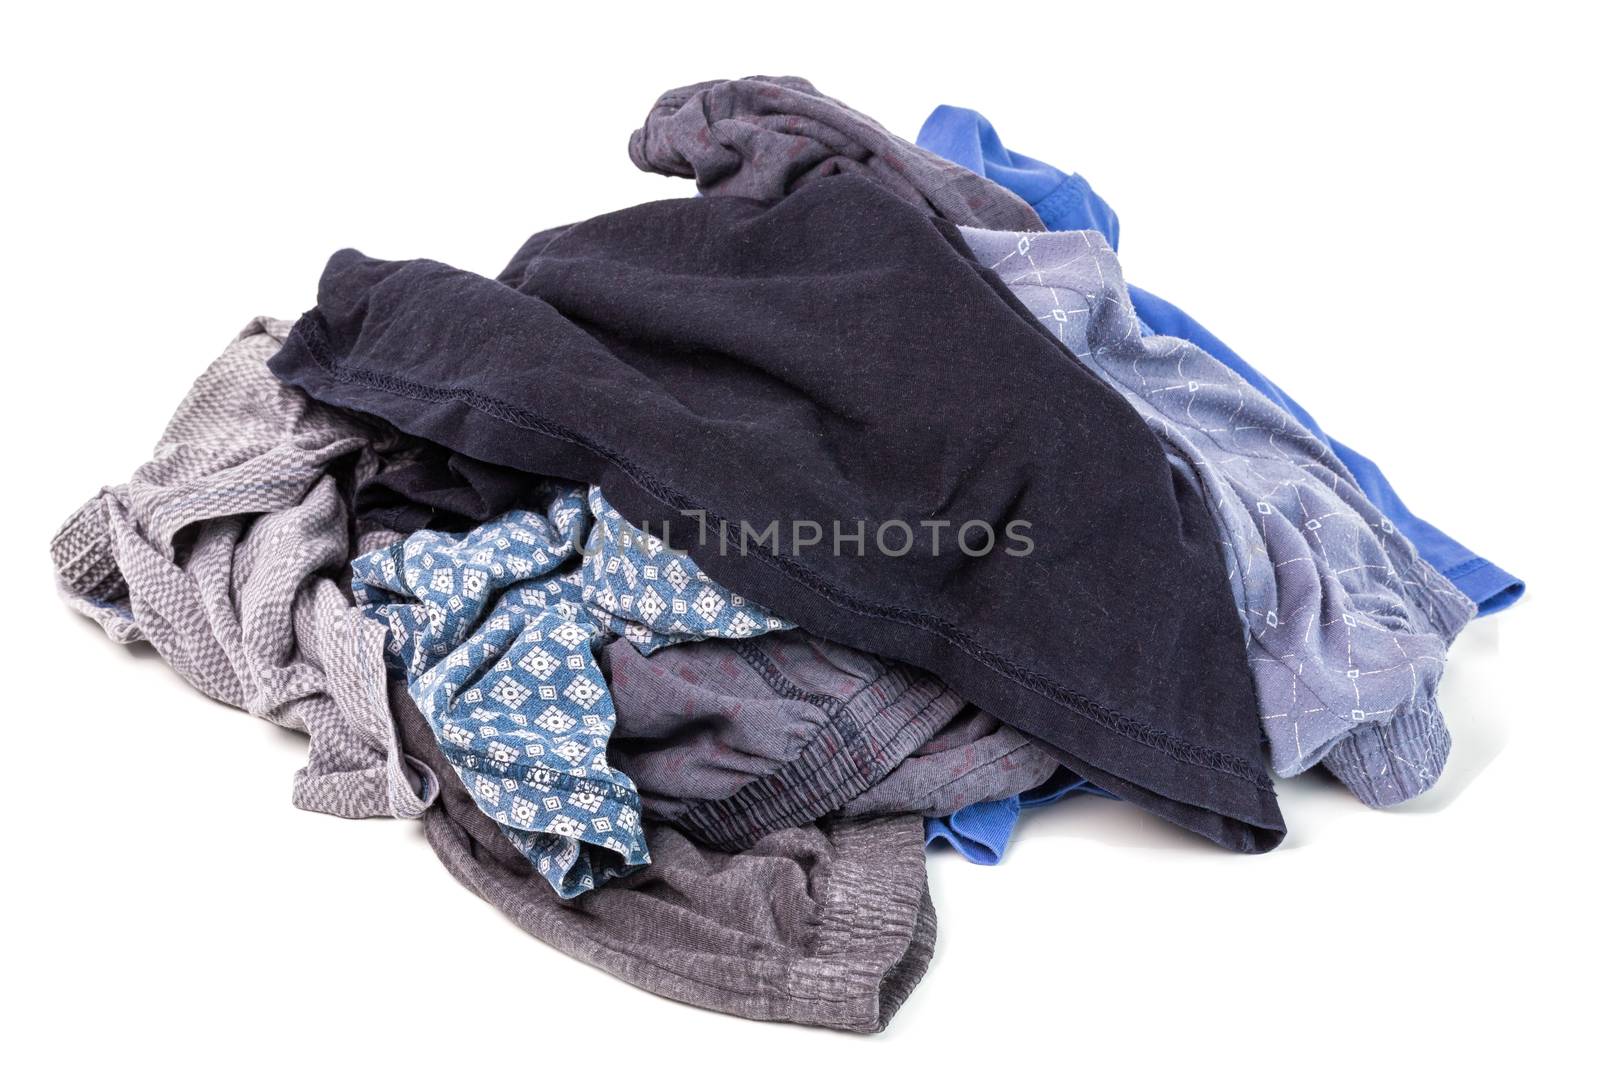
1389, 762
88, 578
81, 552
1402, 757
876, 930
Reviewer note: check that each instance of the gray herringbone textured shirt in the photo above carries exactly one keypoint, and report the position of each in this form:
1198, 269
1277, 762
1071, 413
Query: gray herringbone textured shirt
224, 551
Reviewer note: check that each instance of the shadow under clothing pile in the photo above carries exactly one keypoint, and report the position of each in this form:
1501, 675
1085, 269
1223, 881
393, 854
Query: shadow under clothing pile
644, 574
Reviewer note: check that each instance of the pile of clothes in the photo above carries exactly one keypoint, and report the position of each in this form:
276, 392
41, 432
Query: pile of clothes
692, 577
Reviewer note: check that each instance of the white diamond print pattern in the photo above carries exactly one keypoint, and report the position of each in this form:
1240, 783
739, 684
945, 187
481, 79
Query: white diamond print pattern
662, 596
498, 628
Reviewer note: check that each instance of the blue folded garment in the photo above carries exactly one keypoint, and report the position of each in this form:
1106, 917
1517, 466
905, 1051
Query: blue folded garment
981, 832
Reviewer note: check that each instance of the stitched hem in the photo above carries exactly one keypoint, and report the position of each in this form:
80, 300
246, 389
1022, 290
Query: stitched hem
313, 335
1067, 195
1490, 587
979, 832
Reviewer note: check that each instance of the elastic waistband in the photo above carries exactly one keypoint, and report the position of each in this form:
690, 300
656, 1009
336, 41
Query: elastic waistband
861, 742
1386, 763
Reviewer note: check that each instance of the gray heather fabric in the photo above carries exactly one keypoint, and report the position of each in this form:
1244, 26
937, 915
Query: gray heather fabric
222, 553
765, 137
732, 740
829, 925
1347, 626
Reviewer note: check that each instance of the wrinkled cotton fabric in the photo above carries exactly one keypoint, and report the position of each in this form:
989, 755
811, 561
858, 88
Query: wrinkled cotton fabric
767, 137
221, 552
497, 631
730, 741
976, 758
764, 137
827, 925
781, 730
844, 341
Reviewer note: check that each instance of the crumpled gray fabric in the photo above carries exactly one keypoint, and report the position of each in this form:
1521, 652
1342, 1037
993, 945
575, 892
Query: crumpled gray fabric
732, 740
1347, 626
764, 137
223, 550
975, 758
829, 924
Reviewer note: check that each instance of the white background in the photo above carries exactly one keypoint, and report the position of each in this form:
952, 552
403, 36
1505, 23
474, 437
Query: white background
1391, 214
